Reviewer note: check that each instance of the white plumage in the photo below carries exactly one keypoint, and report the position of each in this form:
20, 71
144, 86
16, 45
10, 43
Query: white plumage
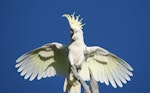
56, 59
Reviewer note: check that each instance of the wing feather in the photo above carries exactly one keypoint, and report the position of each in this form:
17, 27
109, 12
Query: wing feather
46, 61
105, 72
110, 74
102, 74
116, 75
34, 74
100, 71
106, 67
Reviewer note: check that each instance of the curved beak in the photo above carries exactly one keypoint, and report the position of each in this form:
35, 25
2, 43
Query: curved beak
71, 32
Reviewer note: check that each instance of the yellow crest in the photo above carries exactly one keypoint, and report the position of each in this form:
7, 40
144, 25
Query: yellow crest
74, 20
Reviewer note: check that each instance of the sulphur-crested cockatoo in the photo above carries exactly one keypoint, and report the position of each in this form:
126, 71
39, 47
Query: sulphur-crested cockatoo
56, 59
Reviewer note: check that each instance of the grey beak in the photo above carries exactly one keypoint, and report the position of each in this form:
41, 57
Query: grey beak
71, 32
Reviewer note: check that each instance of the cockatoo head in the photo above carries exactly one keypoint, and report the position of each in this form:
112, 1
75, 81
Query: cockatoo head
76, 26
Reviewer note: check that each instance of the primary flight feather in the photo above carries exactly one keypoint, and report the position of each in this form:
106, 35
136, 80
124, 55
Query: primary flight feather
57, 59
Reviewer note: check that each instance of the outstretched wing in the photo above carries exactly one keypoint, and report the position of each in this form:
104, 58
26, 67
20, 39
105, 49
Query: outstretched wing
46, 61
106, 67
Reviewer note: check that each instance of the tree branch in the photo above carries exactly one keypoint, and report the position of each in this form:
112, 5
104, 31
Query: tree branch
93, 83
85, 86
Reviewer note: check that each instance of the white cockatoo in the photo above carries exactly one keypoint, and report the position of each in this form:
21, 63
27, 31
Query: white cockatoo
56, 59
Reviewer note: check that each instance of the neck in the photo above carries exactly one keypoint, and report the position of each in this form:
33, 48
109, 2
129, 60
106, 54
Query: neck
79, 39
79, 43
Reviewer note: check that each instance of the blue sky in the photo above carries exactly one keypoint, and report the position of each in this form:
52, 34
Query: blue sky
120, 26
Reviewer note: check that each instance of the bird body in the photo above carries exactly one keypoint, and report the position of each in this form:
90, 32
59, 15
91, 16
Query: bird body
76, 52
57, 59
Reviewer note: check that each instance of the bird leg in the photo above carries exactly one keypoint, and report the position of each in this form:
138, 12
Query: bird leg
78, 68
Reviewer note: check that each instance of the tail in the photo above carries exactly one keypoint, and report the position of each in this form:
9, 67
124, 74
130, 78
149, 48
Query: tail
71, 85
